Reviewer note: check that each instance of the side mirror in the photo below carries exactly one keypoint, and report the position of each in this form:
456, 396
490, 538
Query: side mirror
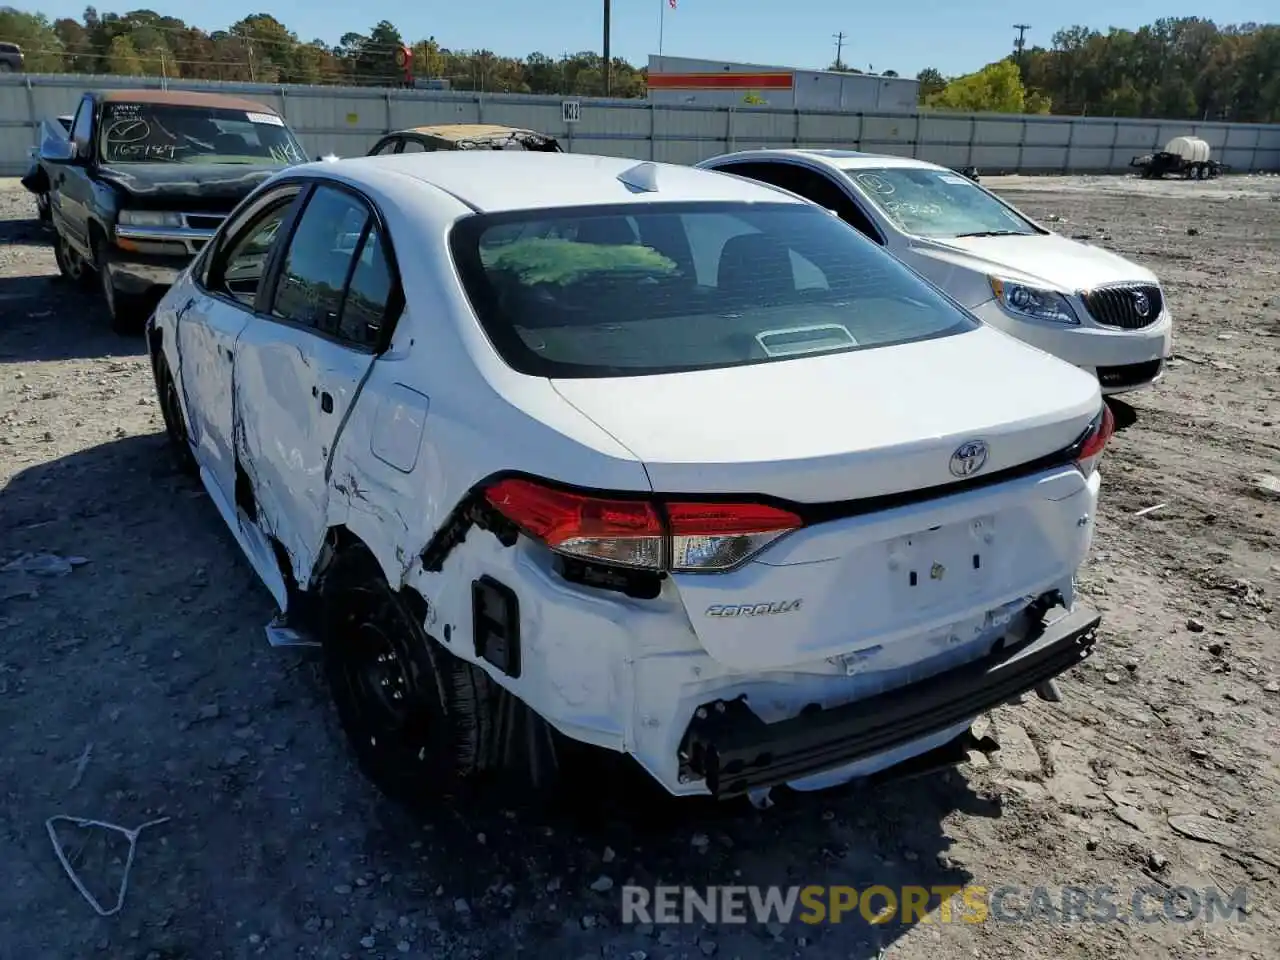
58, 151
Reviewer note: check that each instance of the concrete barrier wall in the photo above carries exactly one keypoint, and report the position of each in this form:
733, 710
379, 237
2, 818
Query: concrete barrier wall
347, 120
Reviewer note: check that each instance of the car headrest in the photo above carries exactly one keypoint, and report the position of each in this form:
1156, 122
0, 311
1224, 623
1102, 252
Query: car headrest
753, 262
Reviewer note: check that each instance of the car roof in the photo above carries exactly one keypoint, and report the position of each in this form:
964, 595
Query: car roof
840, 159
465, 131
185, 98
496, 181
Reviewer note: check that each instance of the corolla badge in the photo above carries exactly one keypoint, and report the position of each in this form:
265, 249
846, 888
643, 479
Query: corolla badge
969, 458
1141, 303
753, 609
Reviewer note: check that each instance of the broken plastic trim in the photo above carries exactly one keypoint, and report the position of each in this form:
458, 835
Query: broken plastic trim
472, 511
730, 748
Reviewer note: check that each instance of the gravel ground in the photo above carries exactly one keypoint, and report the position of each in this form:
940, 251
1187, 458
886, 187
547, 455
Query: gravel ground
139, 685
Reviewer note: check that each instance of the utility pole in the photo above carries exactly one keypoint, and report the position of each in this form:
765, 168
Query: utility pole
1020, 44
608, 61
839, 38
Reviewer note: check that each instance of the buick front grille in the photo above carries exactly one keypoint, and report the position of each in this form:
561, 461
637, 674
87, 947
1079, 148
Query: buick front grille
1128, 306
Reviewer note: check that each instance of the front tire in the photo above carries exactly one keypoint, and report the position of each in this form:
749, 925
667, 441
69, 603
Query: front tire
71, 265
128, 311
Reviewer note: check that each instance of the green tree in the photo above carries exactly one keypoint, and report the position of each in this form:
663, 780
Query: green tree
931, 82
996, 88
42, 48
122, 58
1182, 68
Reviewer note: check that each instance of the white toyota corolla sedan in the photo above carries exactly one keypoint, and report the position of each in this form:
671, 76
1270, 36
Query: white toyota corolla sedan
559, 450
1089, 306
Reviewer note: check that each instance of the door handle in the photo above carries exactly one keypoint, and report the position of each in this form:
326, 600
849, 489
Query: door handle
326, 402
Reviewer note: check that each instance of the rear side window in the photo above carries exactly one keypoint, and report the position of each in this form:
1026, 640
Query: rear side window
319, 256
336, 277
659, 288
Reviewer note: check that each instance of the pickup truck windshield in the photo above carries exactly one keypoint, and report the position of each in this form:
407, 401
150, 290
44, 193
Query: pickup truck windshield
168, 133
937, 203
647, 288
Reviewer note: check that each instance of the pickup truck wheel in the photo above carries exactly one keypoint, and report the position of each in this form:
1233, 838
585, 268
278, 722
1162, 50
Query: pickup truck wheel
175, 426
416, 716
128, 311
70, 264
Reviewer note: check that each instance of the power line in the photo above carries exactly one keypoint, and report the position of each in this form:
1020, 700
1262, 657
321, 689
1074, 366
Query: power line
235, 69
839, 38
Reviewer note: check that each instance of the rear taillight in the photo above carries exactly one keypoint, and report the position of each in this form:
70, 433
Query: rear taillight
1100, 431
638, 533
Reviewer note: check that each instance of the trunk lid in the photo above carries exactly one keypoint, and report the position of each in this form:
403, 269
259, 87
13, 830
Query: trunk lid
880, 591
844, 426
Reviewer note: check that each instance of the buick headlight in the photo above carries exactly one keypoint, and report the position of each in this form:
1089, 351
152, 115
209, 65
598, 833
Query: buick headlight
149, 218
1033, 302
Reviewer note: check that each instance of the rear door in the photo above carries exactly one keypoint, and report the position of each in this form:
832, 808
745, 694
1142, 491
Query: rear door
302, 361
210, 322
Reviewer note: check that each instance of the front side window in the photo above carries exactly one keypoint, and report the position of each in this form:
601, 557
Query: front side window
82, 126
413, 145
174, 133
937, 203
659, 288
246, 258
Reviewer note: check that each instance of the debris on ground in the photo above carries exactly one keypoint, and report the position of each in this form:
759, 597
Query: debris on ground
131, 835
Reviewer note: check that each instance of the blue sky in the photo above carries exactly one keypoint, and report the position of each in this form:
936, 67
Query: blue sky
955, 37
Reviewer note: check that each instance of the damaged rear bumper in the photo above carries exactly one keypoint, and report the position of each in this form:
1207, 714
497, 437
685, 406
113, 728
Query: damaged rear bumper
733, 751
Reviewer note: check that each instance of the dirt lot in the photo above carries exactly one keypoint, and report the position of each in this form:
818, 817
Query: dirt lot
139, 685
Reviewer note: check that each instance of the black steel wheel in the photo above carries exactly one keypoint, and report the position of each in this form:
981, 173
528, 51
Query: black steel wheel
70, 264
416, 716
175, 425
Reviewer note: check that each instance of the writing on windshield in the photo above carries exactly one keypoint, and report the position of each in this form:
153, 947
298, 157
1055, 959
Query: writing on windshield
936, 203
165, 133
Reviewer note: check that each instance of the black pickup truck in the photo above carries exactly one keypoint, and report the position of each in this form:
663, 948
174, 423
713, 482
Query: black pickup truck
145, 179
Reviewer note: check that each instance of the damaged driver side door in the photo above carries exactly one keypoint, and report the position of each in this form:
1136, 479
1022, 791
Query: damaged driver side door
301, 363
210, 322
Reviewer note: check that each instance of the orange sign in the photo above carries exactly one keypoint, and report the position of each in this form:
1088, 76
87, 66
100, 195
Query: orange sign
772, 80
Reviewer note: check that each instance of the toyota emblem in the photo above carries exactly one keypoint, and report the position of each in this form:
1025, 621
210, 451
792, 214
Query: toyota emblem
1141, 303
969, 458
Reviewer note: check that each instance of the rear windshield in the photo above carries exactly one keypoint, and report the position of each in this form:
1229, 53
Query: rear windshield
168, 133
661, 288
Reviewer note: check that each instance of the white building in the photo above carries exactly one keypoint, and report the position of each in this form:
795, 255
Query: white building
716, 83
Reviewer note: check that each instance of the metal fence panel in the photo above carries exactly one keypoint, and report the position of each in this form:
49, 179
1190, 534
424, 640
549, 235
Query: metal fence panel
347, 120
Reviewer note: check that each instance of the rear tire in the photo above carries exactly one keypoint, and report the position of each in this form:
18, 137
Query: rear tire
418, 718
175, 425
